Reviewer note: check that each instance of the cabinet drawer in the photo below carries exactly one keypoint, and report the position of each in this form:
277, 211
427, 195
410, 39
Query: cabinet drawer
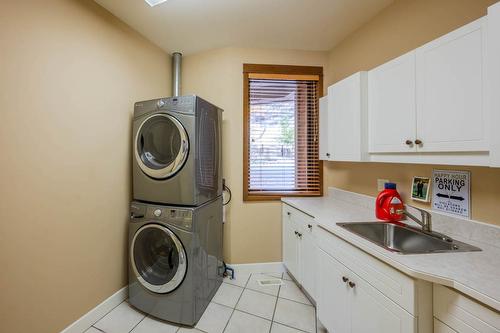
304, 221
439, 327
463, 314
395, 285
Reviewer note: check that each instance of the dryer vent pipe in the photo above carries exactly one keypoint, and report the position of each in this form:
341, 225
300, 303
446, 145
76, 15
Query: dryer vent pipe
176, 73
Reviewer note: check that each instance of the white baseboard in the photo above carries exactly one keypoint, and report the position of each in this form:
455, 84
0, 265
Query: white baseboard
264, 267
98, 312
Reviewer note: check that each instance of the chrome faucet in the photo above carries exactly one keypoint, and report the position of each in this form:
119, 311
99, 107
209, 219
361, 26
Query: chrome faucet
426, 221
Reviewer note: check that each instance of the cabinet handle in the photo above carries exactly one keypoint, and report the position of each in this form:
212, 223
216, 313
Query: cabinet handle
309, 226
409, 142
299, 234
418, 142
345, 279
352, 284
296, 232
288, 213
327, 154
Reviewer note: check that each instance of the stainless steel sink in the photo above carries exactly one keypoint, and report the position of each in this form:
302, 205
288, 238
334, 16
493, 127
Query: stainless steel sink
406, 240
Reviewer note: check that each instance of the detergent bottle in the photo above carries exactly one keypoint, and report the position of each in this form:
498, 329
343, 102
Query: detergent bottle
389, 206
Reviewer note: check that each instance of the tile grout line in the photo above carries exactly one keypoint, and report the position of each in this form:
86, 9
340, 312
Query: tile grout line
253, 315
234, 309
276, 304
140, 321
288, 326
286, 299
95, 322
245, 287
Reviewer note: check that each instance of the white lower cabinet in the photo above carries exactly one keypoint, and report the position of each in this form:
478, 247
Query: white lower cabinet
357, 293
308, 251
333, 300
462, 314
439, 327
290, 243
347, 303
300, 248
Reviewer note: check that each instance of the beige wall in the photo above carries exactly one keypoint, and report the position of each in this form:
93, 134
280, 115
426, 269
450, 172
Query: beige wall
69, 74
399, 28
253, 230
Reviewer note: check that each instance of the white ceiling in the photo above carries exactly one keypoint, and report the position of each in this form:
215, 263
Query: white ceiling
191, 26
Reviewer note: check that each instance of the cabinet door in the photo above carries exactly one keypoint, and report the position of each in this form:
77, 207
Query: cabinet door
290, 243
333, 298
324, 153
308, 262
494, 80
391, 105
373, 312
451, 86
347, 111
462, 313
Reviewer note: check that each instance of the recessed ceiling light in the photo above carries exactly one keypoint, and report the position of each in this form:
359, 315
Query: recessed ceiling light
153, 3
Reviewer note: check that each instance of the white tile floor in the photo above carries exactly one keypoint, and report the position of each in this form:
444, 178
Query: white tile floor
240, 306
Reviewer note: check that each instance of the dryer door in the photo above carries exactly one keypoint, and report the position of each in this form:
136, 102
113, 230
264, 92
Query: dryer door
161, 146
158, 258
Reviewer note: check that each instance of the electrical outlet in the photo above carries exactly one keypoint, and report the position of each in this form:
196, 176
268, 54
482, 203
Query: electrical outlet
381, 183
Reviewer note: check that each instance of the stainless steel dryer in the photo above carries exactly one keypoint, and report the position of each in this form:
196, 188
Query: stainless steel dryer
177, 151
175, 259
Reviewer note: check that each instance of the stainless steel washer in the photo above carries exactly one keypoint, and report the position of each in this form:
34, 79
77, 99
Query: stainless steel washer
175, 259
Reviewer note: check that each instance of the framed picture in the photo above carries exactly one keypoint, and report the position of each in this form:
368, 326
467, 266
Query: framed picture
420, 188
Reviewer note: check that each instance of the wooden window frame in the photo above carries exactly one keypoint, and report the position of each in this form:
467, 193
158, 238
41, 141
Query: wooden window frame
277, 71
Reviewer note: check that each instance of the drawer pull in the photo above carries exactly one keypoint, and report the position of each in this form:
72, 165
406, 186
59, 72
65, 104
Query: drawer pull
352, 284
345, 279
288, 213
309, 226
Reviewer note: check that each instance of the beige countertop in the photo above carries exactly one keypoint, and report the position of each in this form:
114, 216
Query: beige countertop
476, 274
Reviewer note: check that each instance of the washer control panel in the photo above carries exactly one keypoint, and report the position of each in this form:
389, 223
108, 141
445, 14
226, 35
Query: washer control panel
179, 217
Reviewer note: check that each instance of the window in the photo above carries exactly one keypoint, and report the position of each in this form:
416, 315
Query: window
281, 131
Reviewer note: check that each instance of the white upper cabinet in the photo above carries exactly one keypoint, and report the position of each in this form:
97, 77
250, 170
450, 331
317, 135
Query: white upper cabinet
391, 106
451, 95
438, 104
324, 153
493, 58
347, 117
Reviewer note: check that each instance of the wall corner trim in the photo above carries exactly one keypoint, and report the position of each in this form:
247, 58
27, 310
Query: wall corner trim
98, 312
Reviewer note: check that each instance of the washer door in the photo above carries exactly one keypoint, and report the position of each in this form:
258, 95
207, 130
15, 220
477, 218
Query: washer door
158, 258
161, 146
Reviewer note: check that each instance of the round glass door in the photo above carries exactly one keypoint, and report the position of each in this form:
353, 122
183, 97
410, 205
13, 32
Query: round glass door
161, 146
158, 258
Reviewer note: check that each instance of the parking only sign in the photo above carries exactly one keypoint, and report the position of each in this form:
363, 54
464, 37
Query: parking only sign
451, 192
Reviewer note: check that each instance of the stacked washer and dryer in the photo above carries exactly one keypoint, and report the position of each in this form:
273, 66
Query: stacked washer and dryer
175, 230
